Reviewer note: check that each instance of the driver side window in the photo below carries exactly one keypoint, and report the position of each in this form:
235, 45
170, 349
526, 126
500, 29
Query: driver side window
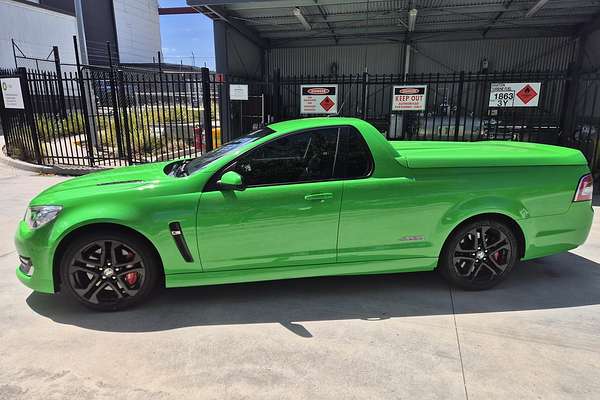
302, 157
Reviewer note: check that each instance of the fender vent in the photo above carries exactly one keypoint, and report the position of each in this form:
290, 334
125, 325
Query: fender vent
177, 234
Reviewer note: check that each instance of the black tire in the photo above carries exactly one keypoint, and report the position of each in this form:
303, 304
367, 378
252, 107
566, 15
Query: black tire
479, 254
126, 278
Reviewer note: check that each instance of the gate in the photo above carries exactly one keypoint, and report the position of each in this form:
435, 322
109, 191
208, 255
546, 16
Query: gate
18, 126
110, 116
247, 115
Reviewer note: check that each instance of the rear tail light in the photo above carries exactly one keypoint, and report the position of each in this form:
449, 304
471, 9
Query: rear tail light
585, 189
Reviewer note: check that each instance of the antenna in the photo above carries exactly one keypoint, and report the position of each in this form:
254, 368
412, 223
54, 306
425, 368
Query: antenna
340, 108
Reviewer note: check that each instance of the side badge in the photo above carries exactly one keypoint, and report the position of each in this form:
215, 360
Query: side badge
415, 238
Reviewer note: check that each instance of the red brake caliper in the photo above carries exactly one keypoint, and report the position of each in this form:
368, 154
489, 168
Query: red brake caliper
131, 278
498, 257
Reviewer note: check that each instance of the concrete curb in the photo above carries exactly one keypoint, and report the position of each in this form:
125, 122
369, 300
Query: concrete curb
42, 169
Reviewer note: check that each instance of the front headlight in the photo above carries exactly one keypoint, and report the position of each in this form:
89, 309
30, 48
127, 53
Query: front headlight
38, 216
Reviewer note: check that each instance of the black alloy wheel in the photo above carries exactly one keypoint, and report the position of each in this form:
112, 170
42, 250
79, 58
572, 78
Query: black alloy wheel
109, 271
479, 255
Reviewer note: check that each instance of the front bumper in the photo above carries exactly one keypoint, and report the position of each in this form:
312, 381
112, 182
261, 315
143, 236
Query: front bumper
33, 245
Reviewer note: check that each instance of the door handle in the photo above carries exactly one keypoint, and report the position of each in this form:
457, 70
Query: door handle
318, 196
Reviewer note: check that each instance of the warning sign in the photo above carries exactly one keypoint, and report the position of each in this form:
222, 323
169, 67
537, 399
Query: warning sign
409, 98
318, 99
238, 92
523, 94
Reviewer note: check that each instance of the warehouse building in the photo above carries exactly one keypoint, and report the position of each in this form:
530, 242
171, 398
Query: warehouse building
460, 54
30, 29
320, 37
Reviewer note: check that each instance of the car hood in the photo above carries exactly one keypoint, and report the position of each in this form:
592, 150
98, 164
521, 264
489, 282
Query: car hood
117, 179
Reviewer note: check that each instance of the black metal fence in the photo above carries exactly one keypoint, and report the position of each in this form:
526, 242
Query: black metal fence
112, 116
457, 107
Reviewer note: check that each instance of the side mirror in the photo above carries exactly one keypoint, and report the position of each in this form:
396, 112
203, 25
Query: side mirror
231, 180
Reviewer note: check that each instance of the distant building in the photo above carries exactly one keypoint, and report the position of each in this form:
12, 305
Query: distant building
131, 26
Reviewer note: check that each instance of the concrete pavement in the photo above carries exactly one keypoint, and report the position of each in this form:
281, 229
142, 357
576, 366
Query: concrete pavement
536, 336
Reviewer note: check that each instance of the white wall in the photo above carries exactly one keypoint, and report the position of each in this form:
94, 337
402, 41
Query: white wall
35, 30
138, 30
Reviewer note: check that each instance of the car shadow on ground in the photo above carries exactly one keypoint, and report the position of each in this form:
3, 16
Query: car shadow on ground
565, 280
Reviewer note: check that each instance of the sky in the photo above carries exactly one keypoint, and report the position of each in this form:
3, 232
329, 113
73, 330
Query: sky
182, 35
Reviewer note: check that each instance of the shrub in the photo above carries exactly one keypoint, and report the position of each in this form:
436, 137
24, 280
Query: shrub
50, 126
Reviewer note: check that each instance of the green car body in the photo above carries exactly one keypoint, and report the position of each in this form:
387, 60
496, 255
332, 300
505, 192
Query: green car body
395, 219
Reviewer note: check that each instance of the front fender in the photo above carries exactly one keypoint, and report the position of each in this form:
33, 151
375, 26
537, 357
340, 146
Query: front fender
150, 217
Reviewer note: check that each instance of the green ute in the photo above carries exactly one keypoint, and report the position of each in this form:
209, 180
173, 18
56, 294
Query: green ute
302, 198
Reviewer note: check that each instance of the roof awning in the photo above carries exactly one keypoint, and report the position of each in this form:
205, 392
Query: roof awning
287, 23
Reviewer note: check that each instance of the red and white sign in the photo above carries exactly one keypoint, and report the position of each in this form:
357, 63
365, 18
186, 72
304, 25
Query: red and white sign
409, 98
522, 94
318, 99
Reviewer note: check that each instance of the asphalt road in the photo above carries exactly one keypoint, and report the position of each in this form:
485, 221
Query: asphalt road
536, 336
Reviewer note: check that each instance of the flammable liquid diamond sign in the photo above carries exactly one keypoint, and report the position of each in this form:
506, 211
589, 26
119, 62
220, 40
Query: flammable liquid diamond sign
318, 99
522, 94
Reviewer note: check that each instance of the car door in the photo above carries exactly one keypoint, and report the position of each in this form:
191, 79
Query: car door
384, 217
288, 213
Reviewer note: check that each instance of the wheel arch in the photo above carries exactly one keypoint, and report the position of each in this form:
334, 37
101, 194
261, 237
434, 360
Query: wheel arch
496, 216
62, 246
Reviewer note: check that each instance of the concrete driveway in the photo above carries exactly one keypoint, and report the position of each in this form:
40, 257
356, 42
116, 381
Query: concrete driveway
536, 336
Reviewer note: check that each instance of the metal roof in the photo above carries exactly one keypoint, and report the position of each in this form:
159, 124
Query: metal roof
274, 23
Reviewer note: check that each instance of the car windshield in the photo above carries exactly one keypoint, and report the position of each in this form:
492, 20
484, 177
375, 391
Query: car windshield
200, 162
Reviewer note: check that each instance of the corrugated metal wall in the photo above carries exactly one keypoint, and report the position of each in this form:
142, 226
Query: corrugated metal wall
378, 58
245, 58
529, 54
592, 60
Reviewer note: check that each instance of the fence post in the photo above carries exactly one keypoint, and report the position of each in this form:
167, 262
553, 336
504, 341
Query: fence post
365, 93
84, 106
206, 103
459, 105
28, 103
276, 100
61, 90
225, 109
123, 102
12, 41
115, 104
569, 116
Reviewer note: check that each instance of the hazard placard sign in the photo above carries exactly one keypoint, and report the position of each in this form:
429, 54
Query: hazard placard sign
522, 94
318, 99
409, 98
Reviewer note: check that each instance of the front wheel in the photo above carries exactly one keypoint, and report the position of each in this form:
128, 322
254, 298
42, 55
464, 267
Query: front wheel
107, 270
479, 255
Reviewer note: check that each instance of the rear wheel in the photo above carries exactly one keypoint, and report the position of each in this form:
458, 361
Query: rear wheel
107, 270
479, 255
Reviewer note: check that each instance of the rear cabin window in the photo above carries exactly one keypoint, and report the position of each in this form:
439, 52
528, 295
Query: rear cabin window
354, 157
